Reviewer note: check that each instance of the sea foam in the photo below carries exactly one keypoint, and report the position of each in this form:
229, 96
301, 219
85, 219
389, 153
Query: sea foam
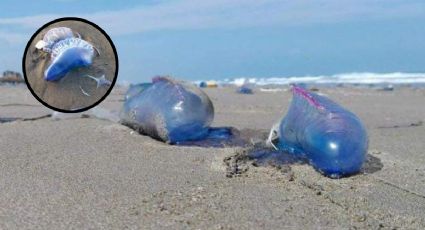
344, 78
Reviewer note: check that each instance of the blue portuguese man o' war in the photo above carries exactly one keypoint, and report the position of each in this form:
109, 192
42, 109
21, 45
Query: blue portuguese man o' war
68, 51
172, 111
66, 55
245, 89
332, 138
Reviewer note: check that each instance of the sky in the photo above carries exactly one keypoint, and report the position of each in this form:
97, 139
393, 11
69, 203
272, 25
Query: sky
218, 39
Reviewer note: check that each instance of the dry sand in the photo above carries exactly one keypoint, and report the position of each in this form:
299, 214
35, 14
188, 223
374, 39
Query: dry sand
92, 173
66, 93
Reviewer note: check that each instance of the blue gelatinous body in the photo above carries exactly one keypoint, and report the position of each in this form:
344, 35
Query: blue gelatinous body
169, 110
331, 137
66, 55
244, 90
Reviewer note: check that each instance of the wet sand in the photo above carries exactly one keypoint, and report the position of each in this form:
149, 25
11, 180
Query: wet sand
66, 93
92, 173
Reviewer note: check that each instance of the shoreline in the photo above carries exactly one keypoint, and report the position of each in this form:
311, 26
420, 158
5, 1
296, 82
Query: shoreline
92, 173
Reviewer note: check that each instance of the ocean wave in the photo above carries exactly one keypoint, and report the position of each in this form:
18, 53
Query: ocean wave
345, 78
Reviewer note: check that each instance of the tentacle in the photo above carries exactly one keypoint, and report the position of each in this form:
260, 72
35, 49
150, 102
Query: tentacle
84, 92
273, 136
97, 51
100, 81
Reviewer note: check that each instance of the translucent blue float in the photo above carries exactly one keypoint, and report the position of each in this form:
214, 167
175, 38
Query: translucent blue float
172, 111
244, 90
329, 136
54, 35
68, 54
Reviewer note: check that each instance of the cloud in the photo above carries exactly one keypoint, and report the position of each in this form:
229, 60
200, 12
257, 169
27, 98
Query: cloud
12, 38
193, 14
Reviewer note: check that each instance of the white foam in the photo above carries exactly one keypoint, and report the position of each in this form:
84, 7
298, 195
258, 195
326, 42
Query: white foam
345, 78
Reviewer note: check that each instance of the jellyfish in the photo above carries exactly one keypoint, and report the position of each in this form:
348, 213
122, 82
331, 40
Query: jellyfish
330, 137
170, 111
244, 90
66, 55
54, 35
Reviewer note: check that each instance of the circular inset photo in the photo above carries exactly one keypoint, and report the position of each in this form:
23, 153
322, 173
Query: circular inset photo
70, 65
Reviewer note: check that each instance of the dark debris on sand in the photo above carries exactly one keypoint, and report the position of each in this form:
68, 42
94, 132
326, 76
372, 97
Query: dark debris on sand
261, 156
257, 156
412, 124
11, 119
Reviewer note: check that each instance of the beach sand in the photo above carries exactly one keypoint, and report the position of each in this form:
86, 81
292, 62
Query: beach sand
93, 173
66, 93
